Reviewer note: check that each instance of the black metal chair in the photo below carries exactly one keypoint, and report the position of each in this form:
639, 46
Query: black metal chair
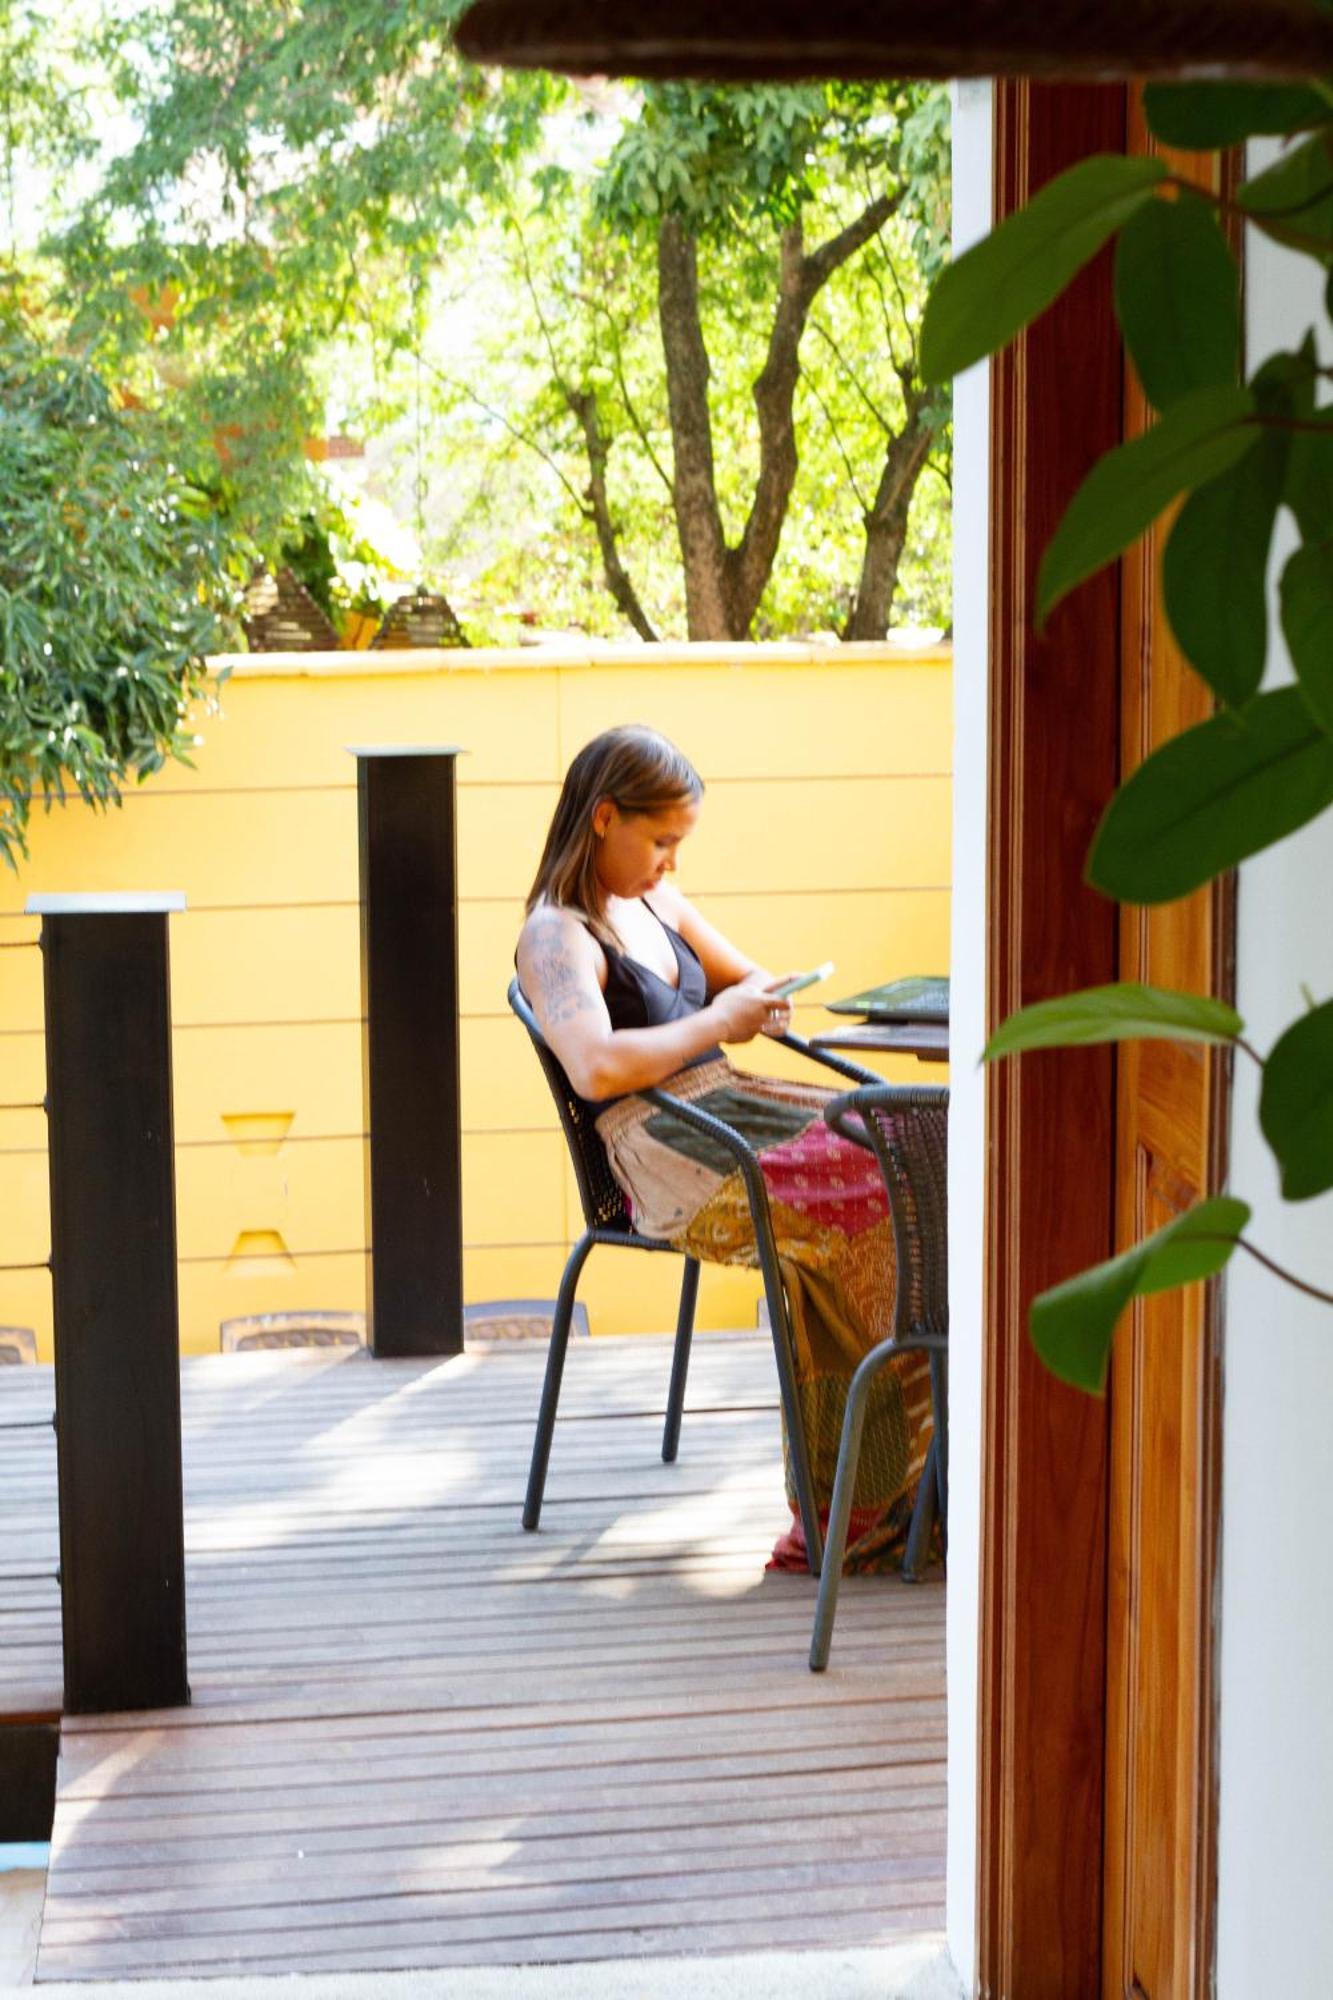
906, 1126
607, 1219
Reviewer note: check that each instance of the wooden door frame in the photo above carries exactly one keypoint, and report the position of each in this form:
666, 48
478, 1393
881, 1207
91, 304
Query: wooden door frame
1054, 728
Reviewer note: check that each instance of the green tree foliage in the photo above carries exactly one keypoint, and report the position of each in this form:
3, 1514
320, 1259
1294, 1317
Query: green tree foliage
1238, 454
324, 178
111, 588
44, 118
705, 325
221, 185
297, 169
773, 197
256, 214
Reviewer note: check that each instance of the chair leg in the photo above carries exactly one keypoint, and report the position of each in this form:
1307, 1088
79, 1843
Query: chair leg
939, 1391
680, 1360
798, 1448
917, 1554
555, 1368
840, 1510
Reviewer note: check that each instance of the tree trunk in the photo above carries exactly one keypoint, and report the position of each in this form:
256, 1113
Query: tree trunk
886, 529
750, 564
694, 488
723, 585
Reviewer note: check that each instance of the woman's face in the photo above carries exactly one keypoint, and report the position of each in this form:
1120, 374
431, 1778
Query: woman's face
635, 850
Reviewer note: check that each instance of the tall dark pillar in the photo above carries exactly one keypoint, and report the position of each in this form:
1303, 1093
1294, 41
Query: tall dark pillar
409, 988
113, 1277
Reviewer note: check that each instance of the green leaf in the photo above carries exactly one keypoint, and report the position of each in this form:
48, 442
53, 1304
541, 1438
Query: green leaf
1309, 485
1307, 621
1004, 281
1073, 1324
1196, 1245
1293, 200
1203, 117
1296, 1104
1215, 571
1124, 1012
1177, 297
1210, 797
1128, 488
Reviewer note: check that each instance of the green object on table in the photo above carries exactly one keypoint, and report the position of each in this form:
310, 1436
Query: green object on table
922, 999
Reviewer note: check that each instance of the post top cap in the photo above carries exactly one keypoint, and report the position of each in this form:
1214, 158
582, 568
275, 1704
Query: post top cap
406, 750
107, 903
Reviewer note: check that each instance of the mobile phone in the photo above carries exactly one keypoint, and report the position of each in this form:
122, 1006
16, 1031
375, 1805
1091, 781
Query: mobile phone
801, 981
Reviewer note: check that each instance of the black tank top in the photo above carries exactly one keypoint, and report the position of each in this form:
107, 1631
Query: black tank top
638, 997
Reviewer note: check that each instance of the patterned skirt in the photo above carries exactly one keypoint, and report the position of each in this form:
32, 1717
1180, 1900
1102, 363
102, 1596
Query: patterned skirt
835, 1246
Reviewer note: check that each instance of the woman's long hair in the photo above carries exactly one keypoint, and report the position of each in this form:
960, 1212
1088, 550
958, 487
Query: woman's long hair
640, 772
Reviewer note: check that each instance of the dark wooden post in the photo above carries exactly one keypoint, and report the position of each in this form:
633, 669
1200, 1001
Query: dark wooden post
409, 990
113, 1281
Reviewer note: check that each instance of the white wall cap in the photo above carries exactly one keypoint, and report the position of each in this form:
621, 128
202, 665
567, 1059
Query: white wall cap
406, 750
108, 903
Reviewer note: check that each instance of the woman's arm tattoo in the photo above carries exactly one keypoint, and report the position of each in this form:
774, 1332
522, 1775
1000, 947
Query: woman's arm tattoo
561, 989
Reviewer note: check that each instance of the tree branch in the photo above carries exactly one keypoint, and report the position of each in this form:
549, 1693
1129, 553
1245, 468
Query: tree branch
820, 264
600, 307
877, 280
594, 503
801, 276
817, 326
584, 405
520, 436
548, 338
847, 465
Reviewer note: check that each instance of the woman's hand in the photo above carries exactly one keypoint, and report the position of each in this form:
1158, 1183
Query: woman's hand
779, 1008
750, 1008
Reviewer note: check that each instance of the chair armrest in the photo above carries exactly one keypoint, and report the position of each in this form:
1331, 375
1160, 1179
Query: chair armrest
703, 1121
880, 1356
741, 1151
842, 1113
838, 1064
761, 1215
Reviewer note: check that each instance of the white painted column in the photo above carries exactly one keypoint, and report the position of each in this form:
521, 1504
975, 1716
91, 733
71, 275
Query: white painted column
972, 194
1275, 1859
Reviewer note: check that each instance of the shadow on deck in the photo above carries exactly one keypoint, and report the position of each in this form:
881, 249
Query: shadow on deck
420, 1737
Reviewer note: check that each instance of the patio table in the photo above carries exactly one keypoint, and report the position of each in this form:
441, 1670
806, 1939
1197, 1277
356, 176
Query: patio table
905, 1017
927, 1040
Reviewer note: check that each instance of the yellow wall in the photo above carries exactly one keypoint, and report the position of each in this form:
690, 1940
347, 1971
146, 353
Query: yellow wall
825, 834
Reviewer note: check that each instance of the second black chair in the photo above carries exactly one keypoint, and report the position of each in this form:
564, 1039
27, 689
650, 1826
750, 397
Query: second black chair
906, 1126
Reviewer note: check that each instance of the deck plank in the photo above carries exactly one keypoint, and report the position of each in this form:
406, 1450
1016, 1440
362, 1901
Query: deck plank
419, 1737
30, 1653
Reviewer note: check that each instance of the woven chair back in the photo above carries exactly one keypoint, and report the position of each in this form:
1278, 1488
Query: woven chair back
908, 1127
604, 1204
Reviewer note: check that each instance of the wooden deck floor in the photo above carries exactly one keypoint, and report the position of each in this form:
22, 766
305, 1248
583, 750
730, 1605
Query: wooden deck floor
420, 1737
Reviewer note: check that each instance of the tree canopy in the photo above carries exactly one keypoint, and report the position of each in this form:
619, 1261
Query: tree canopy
311, 191
112, 587
707, 337
639, 359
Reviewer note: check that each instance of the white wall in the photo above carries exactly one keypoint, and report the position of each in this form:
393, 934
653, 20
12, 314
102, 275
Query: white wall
1275, 1889
972, 177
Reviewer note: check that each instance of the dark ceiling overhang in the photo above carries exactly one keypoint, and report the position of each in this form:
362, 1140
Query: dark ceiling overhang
788, 40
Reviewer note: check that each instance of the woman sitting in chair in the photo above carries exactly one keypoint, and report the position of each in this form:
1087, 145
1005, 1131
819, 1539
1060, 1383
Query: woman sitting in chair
632, 988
